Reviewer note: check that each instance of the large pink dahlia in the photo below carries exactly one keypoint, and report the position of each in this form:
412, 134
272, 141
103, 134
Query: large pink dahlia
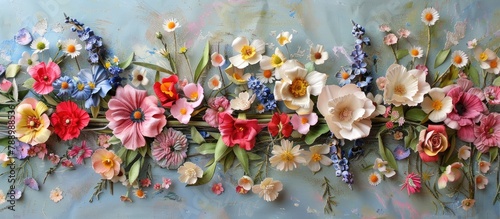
169, 149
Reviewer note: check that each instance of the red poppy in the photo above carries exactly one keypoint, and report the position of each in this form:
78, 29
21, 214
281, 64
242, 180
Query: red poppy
280, 123
69, 120
238, 131
166, 91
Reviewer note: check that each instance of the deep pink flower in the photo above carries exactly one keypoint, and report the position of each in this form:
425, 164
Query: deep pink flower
240, 132
217, 105
169, 149
412, 183
54, 158
80, 152
44, 75
39, 150
67, 163
217, 188
466, 108
488, 133
132, 116
146, 182
492, 94
157, 186
422, 68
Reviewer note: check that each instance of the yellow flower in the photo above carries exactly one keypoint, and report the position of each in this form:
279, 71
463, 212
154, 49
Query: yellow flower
183, 50
31, 122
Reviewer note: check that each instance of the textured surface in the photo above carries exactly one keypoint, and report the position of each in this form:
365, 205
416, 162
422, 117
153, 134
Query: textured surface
129, 26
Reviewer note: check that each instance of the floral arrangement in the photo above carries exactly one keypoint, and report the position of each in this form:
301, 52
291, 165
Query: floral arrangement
284, 116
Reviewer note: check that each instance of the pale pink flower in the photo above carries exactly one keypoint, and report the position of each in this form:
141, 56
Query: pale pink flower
481, 181
216, 105
422, 68
166, 182
56, 195
146, 182
54, 158
451, 174
193, 93
103, 140
484, 166
492, 94
403, 33
106, 163
468, 203
384, 28
302, 123
464, 152
245, 182
268, 189
381, 83
390, 39
182, 110
472, 44
5, 85
217, 59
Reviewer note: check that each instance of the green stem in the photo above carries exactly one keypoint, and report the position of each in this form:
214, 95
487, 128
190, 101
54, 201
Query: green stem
428, 45
189, 66
395, 56
77, 64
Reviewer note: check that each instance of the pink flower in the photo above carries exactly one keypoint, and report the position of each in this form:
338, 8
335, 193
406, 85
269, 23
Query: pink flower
484, 166
389, 125
217, 59
103, 140
44, 75
381, 81
466, 108
412, 183
80, 152
194, 93
390, 39
182, 110
487, 134
169, 149
54, 158
67, 163
302, 123
106, 163
451, 174
384, 28
166, 182
240, 132
403, 33
431, 142
217, 106
492, 94
217, 188
157, 186
481, 181
39, 150
146, 182
5, 85
422, 68
132, 116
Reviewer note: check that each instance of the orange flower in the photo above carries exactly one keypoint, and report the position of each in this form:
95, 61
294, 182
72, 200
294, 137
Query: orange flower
106, 163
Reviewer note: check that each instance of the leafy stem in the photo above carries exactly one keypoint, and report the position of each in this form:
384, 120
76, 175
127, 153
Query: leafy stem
328, 196
98, 190
428, 45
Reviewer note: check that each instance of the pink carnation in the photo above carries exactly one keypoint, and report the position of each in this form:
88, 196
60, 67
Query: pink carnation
466, 108
44, 75
169, 149
492, 94
488, 133
217, 105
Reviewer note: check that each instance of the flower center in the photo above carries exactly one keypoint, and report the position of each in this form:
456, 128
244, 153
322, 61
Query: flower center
140, 77
317, 55
493, 63
80, 86
282, 40
183, 111
483, 57
139, 193
345, 114
64, 85
437, 105
33, 122
304, 120
298, 88
267, 73
316, 157
458, 59
460, 108
373, 178
171, 25
479, 180
45, 78
490, 131
194, 96
165, 88
269, 188
247, 52
68, 121
40, 46
429, 17
400, 89
287, 156
276, 60
237, 76
220, 109
345, 75
137, 115
260, 107
215, 83
91, 85
71, 48
414, 52
191, 173
108, 163
218, 59
379, 165
30, 62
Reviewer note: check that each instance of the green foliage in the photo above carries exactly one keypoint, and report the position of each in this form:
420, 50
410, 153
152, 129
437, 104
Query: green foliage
315, 132
416, 115
154, 67
401, 53
203, 62
12, 70
127, 62
441, 57
196, 136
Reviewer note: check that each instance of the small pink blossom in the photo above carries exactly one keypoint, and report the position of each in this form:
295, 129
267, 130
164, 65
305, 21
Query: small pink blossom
381, 81
182, 110
103, 140
484, 166
412, 183
481, 181
390, 39
54, 158
472, 44
194, 93
166, 182
384, 28
389, 125
451, 174
401, 121
5, 85
217, 106
67, 163
422, 68
157, 186
182, 83
146, 182
217, 188
39, 150
302, 123
387, 111
403, 33
80, 152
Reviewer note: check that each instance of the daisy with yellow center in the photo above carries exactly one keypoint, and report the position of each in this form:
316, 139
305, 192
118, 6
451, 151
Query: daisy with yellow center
39, 45
416, 52
430, 16
284, 38
171, 24
249, 54
266, 76
260, 108
286, 157
459, 59
316, 156
374, 178
140, 193
437, 105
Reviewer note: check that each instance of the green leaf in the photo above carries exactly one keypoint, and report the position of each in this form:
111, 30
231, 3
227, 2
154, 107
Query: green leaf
142, 151
415, 115
207, 175
400, 111
50, 100
122, 153
127, 62
206, 148
409, 136
493, 154
203, 63
441, 57
196, 136
381, 147
451, 149
131, 155
496, 82
401, 53
15, 91
133, 173
157, 76
450, 76
4, 142
3, 99
114, 140
315, 132
309, 67
95, 111
478, 156
414, 142
242, 156
23, 93
390, 159
12, 70
220, 150
473, 75
154, 67
228, 162
214, 135
253, 156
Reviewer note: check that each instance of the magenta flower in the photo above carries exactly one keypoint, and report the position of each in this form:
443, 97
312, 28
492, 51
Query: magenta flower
169, 149
492, 94
466, 108
194, 93
488, 133
80, 152
217, 105
412, 183
302, 123
182, 110
132, 115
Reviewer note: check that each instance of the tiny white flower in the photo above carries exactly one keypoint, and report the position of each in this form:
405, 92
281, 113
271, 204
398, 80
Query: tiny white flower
243, 102
139, 77
40, 44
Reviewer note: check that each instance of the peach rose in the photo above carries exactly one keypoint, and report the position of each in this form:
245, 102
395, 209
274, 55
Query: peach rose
431, 142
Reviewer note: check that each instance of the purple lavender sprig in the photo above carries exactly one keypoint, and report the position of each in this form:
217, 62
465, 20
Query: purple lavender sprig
93, 43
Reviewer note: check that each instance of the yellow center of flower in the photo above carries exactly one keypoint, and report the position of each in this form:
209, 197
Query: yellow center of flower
400, 89
194, 96
287, 156
237, 76
379, 165
137, 115
215, 82
165, 88
108, 64
191, 173
267, 73
316, 157
183, 111
115, 59
80, 86
437, 105
247, 52
30, 62
276, 61
304, 120
483, 57
183, 49
298, 88
317, 55
282, 40
458, 59
64, 85
40, 46
91, 85
414, 52
490, 131
108, 163
493, 63
171, 25
373, 178
429, 17
260, 107
71, 48
345, 75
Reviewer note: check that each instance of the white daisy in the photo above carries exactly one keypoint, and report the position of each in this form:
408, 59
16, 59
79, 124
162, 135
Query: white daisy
139, 77
430, 16
374, 179
40, 44
214, 82
286, 157
249, 53
416, 52
459, 59
284, 38
266, 76
171, 24
71, 48
437, 105
318, 55
28, 60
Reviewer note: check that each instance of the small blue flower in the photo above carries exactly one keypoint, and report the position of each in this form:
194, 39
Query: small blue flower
357, 30
97, 80
64, 86
345, 77
359, 68
115, 70
365, 83
93, 57
116, 81
20, 149
401, 153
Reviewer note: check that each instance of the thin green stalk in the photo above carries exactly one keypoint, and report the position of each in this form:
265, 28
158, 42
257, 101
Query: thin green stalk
428, 45
395, 56
189, 65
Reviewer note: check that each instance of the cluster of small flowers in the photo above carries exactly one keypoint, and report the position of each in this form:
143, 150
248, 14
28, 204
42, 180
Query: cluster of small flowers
93, 42
263, 93
341, 165
115, 80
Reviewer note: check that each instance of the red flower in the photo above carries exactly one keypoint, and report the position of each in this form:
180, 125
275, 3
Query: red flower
69, 120
238, 131
166, 91
280, 123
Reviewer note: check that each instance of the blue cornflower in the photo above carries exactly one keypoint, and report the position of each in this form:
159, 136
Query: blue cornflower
401, 152
365, 83
254, 84
64, 86
345, 77
97, 80
115, 70
93, 57
82, 91
270, 103
365, 40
